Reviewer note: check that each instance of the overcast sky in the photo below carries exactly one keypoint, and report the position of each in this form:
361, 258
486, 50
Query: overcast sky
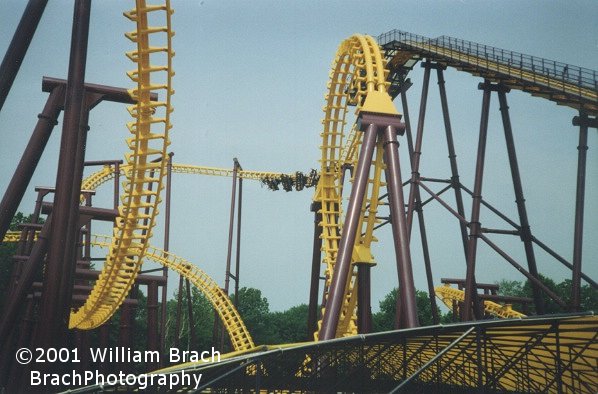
250, 80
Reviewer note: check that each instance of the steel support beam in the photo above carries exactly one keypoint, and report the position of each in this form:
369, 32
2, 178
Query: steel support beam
238, 249
455, 181
179, 313
314, 288
21, 288
153, 340
364, 301
342, 267
15, 54
231, 225
22, 176
525, 231
55, 307
417, 150
124, 334
582, 149
419, 209
190, 320
436, 357
471, 301
164, 294
408, 311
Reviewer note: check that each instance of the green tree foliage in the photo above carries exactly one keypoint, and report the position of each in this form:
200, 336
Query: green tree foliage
588, 302
384, 319
290, 326
202, 321
255, 312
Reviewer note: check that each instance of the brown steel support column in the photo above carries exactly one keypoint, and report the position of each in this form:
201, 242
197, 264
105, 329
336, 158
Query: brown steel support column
27, 241
104, 335
420, 213
582, 149
526, 234
455, 182
227, 276
364, 302
166, 248
55, 305
13, 58
471, 299
116, 184
179, 312
427, 263
83, 344
238, 249
316, 260
231, 226
342, 267
153, 341
408, 311
417, 150
192, 336
29, 234
30, 158
21, 288
124, 335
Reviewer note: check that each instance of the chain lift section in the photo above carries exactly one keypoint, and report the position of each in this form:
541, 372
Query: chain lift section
149, 141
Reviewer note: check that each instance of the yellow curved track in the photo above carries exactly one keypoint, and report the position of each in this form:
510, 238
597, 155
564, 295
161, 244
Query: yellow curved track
238, 333
143, 183
358, 69
448, 294
106, 173
232, 321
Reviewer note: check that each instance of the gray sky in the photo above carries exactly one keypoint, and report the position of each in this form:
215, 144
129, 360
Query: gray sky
250, 80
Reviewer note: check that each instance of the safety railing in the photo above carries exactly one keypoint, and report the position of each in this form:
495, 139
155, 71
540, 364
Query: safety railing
567, 78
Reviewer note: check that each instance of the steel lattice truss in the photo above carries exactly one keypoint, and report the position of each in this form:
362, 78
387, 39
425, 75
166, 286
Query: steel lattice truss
532, 355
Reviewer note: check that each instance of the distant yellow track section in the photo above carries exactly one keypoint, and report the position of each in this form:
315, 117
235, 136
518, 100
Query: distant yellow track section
144, 176
358, 70
12, 236
238, 333
448, 294
106, 173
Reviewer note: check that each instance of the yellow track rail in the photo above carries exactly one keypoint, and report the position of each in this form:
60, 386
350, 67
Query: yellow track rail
238, 333
12, 236
106, 173
358, 69
448, 294
143, 183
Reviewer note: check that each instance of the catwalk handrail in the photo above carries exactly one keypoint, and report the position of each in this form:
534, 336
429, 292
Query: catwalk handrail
544, 71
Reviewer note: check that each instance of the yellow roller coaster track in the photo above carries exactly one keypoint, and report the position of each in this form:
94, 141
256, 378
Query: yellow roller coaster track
359, 69
238, 333
143, 183
236, 329
106, 173
448, 295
